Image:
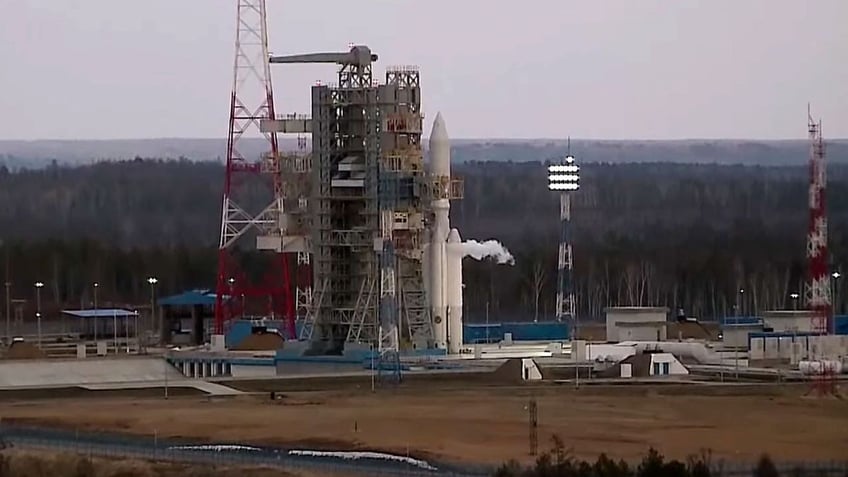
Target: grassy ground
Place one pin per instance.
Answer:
(38, 464)
(484, 424)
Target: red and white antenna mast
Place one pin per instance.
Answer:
(252, 100)
(817, 290)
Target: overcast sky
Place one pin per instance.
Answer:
(602, 69)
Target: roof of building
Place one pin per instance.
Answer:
(740, 320)
(101, 313)
(196, 297)
(772, 314)
(641, 324)
(636, 309)
(693, 330)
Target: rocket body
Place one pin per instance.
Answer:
(454, 287)
(438, 295)
(441, 256)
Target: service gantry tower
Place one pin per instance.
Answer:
(368, 205)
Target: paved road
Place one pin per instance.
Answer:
(117, 445)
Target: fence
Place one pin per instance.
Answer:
(98, 444)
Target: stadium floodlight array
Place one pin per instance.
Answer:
(564, 177)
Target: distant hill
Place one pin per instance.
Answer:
(16, 154)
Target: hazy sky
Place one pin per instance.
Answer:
(626, 69)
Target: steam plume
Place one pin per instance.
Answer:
(488, 249)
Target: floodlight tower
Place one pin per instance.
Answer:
(817, 291)
(565, 179)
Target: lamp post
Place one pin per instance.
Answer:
(96, 286)
(153, 281)
(794, 297)
(38, 287)
(834, 292)
(231, 281)
(741, 302)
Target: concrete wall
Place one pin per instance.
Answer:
(641, 332)
(530, 372)
(84, 371)
(611, 352)
(251, 371)
(636, 317)
(674, 366)
(315, 368)
(736, 336)
(800, 321)
(791, 347)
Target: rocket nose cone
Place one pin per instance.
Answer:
(440, 130)
(453, 236)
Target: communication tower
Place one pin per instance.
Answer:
(817, 289)
(251, 101)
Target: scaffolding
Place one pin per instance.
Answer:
(367, 209)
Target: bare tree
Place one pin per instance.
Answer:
(539, 276)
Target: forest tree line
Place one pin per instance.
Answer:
(683, 236)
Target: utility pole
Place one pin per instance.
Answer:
(8, 312)
(533, 423)
(8, 301)
(487, 322)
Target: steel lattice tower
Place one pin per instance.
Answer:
(564, 178)
(250, 102)
(817, 289)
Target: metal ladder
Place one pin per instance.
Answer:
(361, 313)
(311, 314)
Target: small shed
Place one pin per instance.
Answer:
(636, 323)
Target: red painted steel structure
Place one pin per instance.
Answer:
(818, 280)
(251, 100)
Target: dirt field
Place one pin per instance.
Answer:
(485, 424)
(37, 464)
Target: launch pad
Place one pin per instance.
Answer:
(371, 214)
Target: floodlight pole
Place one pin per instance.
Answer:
(96, 286)
(564, 178)
(153, 281)
(38, 286)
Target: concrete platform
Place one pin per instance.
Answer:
(205, 386)
(76, 372)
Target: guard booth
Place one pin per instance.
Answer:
(187, 318)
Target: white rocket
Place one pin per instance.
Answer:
(443, 254)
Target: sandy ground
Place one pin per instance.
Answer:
(485, 424)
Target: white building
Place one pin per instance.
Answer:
(636, 323)
(799, 321)
(735, 335)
